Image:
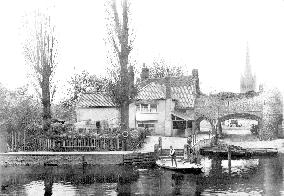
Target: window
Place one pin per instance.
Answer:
(153, 108)
(138, 108)
(146, 124)
(146, 108)
(179, 124)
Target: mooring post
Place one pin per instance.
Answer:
(229, 159)
(160, 147)
(156, 151)
(160, 143)
(186, 152)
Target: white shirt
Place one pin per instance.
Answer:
(172, 152)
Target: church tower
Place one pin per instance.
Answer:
(248, 81)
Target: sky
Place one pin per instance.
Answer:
(209, 35)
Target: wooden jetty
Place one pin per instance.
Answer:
(236, 151)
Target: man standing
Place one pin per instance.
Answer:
(189, 140)
(173, 155)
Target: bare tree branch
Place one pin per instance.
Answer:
(40, 53)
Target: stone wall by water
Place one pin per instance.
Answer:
(60, 159)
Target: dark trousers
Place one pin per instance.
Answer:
(173, 157)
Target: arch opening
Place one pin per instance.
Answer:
(240, 127)
(204, 125)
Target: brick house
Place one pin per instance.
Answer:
(166, 105)
(96, 109)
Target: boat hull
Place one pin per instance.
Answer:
(181, 167)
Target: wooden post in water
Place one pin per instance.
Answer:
(156, 150)
(229, 159)
(186, 152)
(160, 143)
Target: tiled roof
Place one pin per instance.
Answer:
(151, 91)
(175, 81)
(183, 92)
(184, 95)
(97, 99)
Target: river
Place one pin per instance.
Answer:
(258, 176)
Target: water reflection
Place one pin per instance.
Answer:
(247, 177)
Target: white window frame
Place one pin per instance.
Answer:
(139, 108)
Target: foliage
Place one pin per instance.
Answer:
(160, 68)
(85, 82)
(230, 95)
(40, 51)
(79, 83)
(64, 110)
(135, 138)
(20, 113)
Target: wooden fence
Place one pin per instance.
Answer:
(77, 144)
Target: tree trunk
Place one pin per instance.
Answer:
(124, 115)
(46, 104)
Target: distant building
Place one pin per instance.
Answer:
(165, 105)
(97, 110)
(248, 80)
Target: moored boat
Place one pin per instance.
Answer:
(182, 166)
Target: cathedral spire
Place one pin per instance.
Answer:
(247, 79)
(248, 72)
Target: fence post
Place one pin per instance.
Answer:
(117, 143)
(124, 144)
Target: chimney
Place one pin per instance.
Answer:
(144, 73)
(196, 78)
(168, 84)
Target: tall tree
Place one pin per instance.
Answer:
(41, 52)
(121, 85)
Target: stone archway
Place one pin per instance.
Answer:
(200, 119)
(246, 116)
(264, 106)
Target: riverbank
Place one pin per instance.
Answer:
(277, 144)
(242, 139)
(75, 158)
(251, 141)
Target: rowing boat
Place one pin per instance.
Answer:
(182, 166)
